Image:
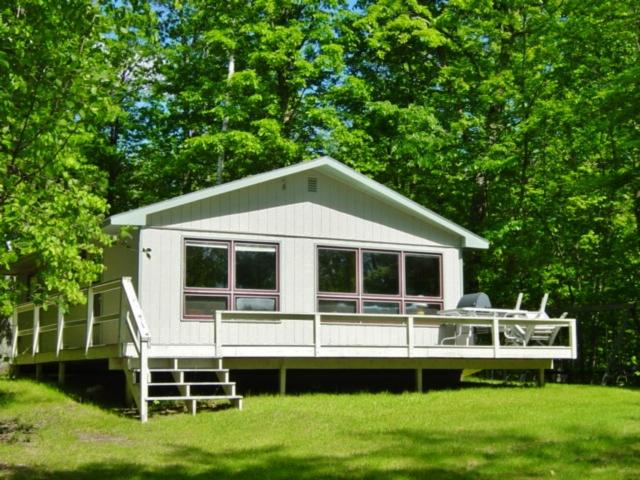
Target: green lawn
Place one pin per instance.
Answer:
(560, 431)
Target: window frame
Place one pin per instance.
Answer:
(230, 292)
(438, 256)
(201, 243)
(400, 272)
(341, 295)
(360, 297)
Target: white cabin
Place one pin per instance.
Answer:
(308, 266)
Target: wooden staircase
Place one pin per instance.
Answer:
(181, 379)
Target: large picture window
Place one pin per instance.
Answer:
(378, 281)
(255, 266)
(229, 276)
(422, 275)
(337, 270)
(207, 265)
(380, 273)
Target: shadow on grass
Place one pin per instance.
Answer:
(107, 393)
(397, 454)
(7, 398)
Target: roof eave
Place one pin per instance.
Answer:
(134, 218)
(477, 243)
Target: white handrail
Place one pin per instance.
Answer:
(141, 339)
(139, 328)
(132, 317)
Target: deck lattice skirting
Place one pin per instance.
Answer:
(112, 325)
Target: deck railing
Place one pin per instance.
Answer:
(111, 316)
(242, 333)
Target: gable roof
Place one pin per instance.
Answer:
(325, 165)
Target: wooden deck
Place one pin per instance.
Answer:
(112, 326)
(288, 335)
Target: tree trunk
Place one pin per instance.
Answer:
(225, 122)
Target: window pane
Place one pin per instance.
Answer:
(256, 304)
(339, 306)
(207, 266)
(201, 305)
(419, 308)
(381, 307)
(380, 273)
(255, 267)
(336, 270)
(422, 273)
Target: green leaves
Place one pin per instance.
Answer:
(285, 57)
(51, 204)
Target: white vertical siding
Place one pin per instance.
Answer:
(121, 260)
(161, 283)
(451, 278)
(336, 210)
(281, 211)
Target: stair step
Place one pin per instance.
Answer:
(193, 384)
(210, 370)
(198, 397)
(185, 358)
(182, 363)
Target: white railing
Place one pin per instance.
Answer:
(139, 332)
(242, 333)
(111, 316)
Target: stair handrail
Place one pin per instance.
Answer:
(141, 340)
(138, 328)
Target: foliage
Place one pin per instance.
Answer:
(488, 113)
(51, 206)
(259, 113)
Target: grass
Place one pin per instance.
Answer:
(581, 432)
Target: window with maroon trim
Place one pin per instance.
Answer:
(353, 280)
(229, 276)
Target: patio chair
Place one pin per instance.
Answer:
(544, 335)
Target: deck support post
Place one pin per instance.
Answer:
(129, 401)
(38, 372)
(61, 372)
(540, 381)
(283, 380)
(14, 371)
(419, 387)
(193, 406)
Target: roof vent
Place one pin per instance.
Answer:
(312, 184)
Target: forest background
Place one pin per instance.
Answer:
(517, 119)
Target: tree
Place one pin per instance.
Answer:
(52, 72)
(487, 112)
(264, 113)
(130, 46)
